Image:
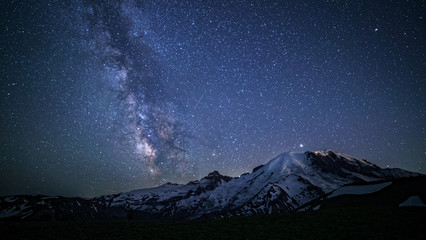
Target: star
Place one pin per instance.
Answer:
(141, 92)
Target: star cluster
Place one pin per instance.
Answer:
(99, 97)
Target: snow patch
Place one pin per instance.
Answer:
(10, 199)
(27, 214)
(361, 176)
(360, 189)
(413, 201)
(10, 212)
(303, 209)
(49, 197)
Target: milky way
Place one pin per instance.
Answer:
(136, 77)
(101, 97)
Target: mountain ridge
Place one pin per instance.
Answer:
(280, 186)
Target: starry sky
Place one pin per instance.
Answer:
(100, 97)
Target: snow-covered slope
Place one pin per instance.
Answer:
(413, 201)
(359, 189)
(282, 185)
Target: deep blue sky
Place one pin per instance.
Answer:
(100, 97)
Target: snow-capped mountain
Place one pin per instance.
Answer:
(282, 185)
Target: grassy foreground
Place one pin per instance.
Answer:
(353, 223)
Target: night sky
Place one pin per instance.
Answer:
(100, 97)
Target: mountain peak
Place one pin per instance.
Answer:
(214, 174)
(326, 152)
(336, 156)
(289, 162)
